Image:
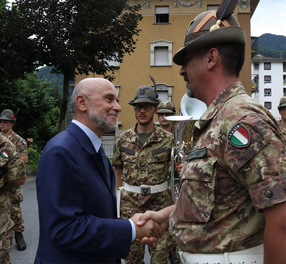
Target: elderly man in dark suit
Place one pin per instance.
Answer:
(75, 187)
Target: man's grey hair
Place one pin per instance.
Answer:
(80, 88)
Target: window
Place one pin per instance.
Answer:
(284, 79)
(164, 91)
(162, 14)
(267, 79)
(161, 56)
(163, 95)
(268, 105)
(161, 53)
(267, 66)
(256, 66)
(117, 88)
(267, 92)
(284, 91)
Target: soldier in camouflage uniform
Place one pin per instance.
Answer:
(165, 108)
(233, 196)
(282, 112)
(141, 162)
(7, 121)
(12, 173)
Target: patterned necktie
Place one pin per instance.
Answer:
(106, 166)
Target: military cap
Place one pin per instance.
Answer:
(200, 33)
(165, 107)
(8, 114)
(282, 102)
(145, 94)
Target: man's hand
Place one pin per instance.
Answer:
(150, 230)
(155, 216)
(160, 217)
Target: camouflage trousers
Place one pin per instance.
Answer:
(132, 203)
(6, 240)
(16, 212)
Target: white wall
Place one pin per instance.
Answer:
(276, 85)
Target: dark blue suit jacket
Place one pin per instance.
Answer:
(77, 209)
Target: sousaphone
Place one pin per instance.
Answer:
(191, 111)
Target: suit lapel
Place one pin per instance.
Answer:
(85, 142)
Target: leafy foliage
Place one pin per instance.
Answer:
(79, 37)
(16, 48)
(270, 45)
(38, 106)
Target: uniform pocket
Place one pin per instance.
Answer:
(196, 200)
(129, 162)
(158, 165)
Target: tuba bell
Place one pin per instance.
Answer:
(194, 108)
(191, 111)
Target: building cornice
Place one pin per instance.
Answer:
(177, 3)
(261, 58)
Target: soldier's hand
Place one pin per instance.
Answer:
(155, 216)
(179, 167)
(149, 229)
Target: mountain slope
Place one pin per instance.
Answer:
(270, 45)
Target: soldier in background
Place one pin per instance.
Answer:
(141, 163)
(12, 173)
(7, 121)
(165, 108)
(282, 112)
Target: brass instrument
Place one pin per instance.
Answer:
(191, 111)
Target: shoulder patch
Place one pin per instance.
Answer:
(239, 136)
(23, 142)
(4, 154)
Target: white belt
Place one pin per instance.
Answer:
(146, 189)
(251, 255)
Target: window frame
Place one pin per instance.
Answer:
(161, 43)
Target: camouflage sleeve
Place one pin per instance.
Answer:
(20, 143)
(117, 158)
(12, 166)
(22, 147)
(260, 165)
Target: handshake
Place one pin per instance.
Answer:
(151, 225)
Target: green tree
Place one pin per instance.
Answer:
(16, 47)
(38, 106)
(79, 37)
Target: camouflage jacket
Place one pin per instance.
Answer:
(19, 142)
(283, 130)
(143, 164)
(236, 168)
(12, 167)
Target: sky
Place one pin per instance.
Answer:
(269, 17)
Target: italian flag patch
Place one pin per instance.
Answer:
(239, 136)
(4, 154)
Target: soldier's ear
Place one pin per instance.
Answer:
(212, 57)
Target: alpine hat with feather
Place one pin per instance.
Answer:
(212, 27)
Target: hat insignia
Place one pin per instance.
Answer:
(142, 91)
